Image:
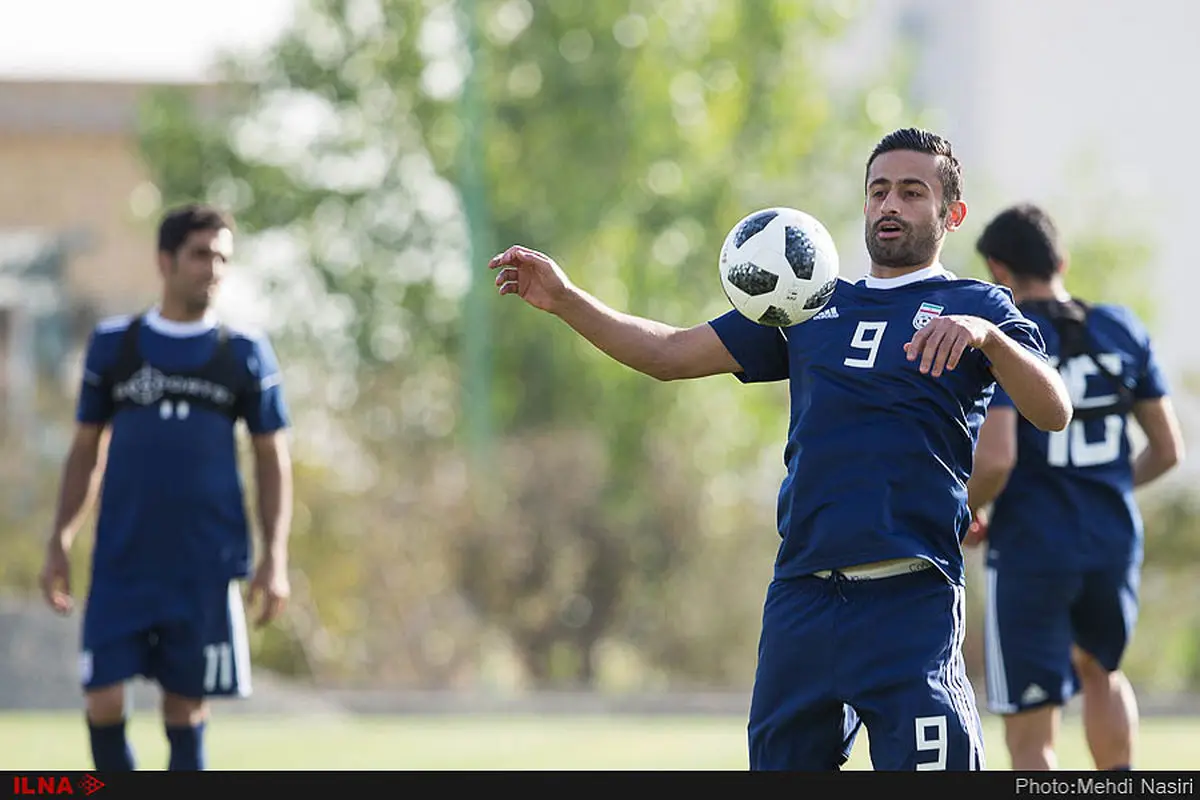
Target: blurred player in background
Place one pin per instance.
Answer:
(161, 396)
(863, 622)
(1064, 538)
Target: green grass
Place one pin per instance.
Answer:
(58, 742)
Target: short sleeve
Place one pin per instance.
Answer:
(262, 405)
(760, 351)
(95, 404)
(1151, 380)
(999, 309)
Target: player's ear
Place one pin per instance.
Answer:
(956, 213)
(165, 263)
(1064, 264)
(999, 272)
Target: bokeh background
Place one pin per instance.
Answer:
(509, 551)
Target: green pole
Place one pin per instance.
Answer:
(476, 323)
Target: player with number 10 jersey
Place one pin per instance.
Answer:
(1069, 501)
(1064, 532)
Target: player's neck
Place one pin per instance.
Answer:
(173, 313)
(879, 271)
(1041, 290)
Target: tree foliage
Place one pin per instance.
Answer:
(624, 139)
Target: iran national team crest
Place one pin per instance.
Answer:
(925, 314)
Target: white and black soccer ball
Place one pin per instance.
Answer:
(779, 266)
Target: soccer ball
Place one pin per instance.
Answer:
(779, 267)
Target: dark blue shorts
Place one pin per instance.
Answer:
(196, 649)
(1033, 618)
(886, 653)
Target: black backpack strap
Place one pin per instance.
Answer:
(226, 361)
(1070, 320)
(129, 356)
(129, 337)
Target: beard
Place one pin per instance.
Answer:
(198, 303)
(916, 246)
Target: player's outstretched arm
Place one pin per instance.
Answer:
(80, 478)
(656, 349)
(1164, 441)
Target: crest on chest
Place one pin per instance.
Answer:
(926, 313)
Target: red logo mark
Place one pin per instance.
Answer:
(90, 784)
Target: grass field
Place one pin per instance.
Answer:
(58, 742)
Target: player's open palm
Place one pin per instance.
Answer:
(939, 346)
(55, 580)
(531, 275)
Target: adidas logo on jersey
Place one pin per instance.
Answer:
(829, 313)
(1033, 694)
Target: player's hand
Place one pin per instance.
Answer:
(55, 579)
(532, 276)
(978, 530)
(270, 590)
(941, 343)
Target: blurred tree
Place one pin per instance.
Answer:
(623, 138)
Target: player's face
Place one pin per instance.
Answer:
(194, 274)
(906, 219)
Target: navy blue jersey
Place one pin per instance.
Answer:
(1069, 501)
(172, 510)
(878, 455)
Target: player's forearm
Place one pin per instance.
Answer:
(80, 477)
(638, 343)
(1037, 390)
(985, 486)
(1152, 463)
(273, 476)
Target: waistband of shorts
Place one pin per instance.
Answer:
(878, 569)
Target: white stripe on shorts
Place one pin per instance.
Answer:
(239, 639)
(959, 685)
(993, 653)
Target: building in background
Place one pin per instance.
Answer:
(69, 154)
(77, 216)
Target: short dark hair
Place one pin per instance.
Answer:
(922, 141)
(1025, 240)
(179, 222)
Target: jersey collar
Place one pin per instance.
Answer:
(934, 270)
(154, 321)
